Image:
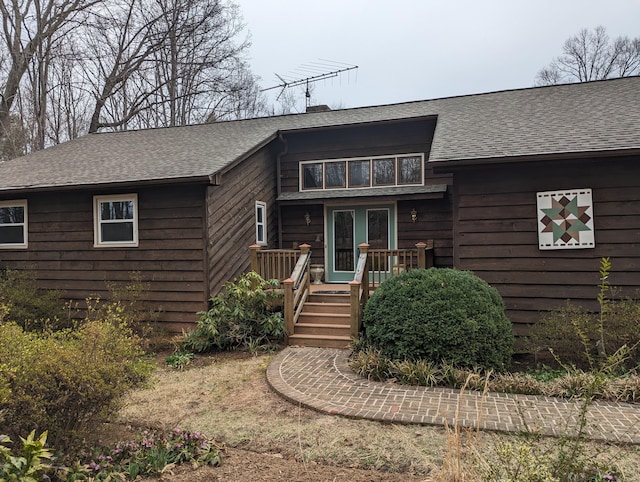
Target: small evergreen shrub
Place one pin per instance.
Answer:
(68, 380)
(243, 315)
(439, 315)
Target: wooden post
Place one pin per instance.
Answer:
(364, 248)
(254, 258)
(304, 251)
(429, 251)
(354, 301)
(288, 306)
(421, 255)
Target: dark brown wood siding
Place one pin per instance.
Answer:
(385, 138)
(496, 232)
(170, 255)
(231, 221)
(355, 141)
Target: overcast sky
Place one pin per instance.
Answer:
(418, 49)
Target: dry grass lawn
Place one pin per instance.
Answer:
(267, 438)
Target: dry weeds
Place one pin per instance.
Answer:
(230, 401)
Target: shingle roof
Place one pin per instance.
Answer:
(588, 117)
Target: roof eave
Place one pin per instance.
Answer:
(448, 164)
(112, 185)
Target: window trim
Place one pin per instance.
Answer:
(396, 160)
(261, 206)
(97, 222)
(25, 224)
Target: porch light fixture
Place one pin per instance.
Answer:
(414, 215)
(307, 218)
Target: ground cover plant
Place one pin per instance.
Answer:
(438, 315)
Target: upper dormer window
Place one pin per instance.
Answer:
(362, 172)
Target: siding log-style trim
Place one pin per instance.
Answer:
(231, 223)
(169, 255)
(496, 232)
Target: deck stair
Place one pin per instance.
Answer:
(324, 321)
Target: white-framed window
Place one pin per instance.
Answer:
(115, 220)
(261, 223)
(362, 172)
(13, 224)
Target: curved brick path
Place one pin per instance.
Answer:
(321, 379)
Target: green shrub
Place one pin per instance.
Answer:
(439, 314)
(66, 381)
(241, 316)
(32, 308)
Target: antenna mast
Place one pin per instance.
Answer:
(310, 79)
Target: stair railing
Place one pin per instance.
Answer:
(359, 290)
(296, 289)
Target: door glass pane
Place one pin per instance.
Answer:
(378, 237)
(378, 228)
(343, 240)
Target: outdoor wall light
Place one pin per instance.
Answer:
(307, 218)
(414, 215)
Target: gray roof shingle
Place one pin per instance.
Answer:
(573, 118)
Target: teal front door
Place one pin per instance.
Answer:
(347, 228)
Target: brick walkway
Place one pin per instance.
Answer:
(321, 379)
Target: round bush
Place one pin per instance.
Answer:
(439, 314)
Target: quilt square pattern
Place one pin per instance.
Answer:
(565, 219)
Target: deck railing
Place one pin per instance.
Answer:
(373, 267)
(273, 263)
(292, 268)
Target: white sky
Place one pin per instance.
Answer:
(419, 49)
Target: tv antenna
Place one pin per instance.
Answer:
(315, 72)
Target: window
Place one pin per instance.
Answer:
(312, 176)
(116, 220)
(359, 173)
(13, 224)
(384, 172)
(335, 175)
(380, 171)
(261, 223)
(410, 170)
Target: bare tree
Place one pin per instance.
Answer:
(30, 28)
(68, 67)
(590, 55)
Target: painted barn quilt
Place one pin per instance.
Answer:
(565, 219)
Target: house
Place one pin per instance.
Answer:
(528, 188)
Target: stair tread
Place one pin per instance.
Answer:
(322, 337)
(324, 314)
(322, 325)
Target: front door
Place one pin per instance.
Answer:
(348, 227)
